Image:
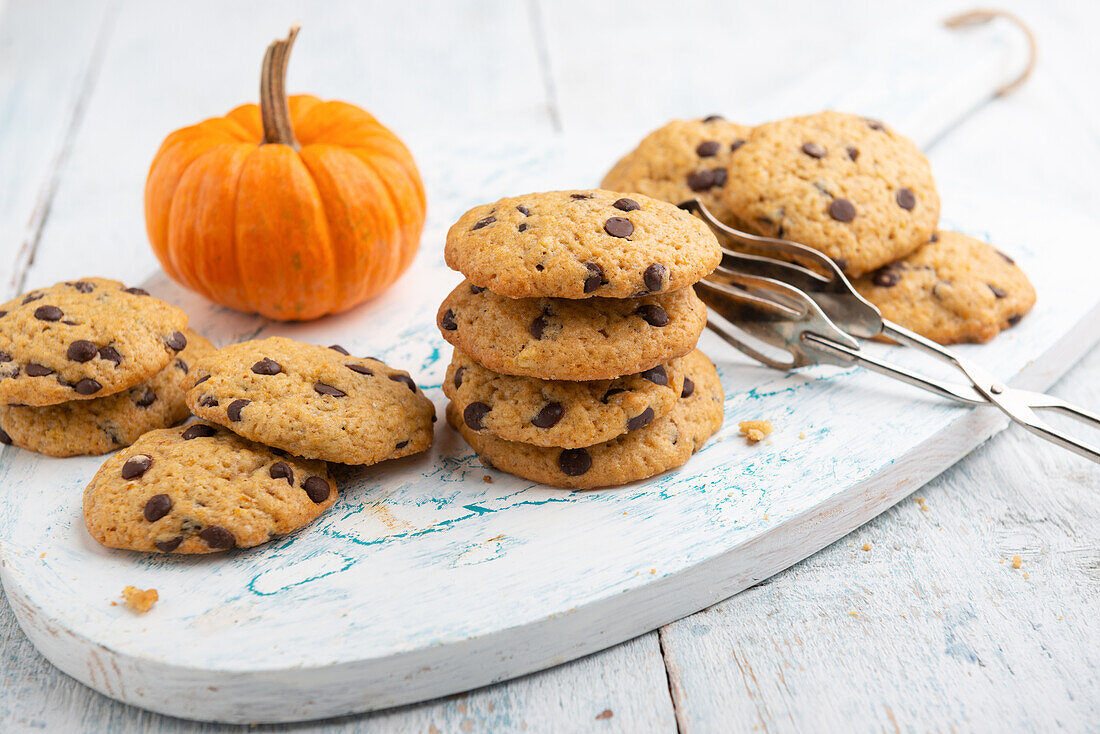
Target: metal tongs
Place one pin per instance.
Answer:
(794, 307)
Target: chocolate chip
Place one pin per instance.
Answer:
(48, 313)
(841, 263)
(405, 379)
(523, 210)
(198, 430)
(654, 277)
(33, 369)
(886, 277)
(87, 386)
(167, 546)
(447, 321)
(458, 376)
(641, 420)
(157, 507)
(853, 152)
(653, 314)
(233, 412)
(998, 292)
(474, 415)
(483, 223)
(580, 196)
(137, 291)
(201, 380)
(267, 366)
(842, 210)
(476, 289)
(208, 401)
(813, 150)
(936, 238)
(700, 181)
(549, 416)
(147, 398)
(611, 391)
(177, 341)
(522, 227)
(361, 369)
(400, 445)
(3, 314)
(110, 354)
(906, 199)
(736, 144)
(83, 286)
(4, 357)
(539, 268)
(618, 227)
(218, 538)
(874, 124)
(136, 466)
(657, 375)
(574, 462)
(689, 388)
(1015, 319)
(595, 277)
(538, 326)
(338, 348)
(282, 470)
(81, 350)
(32, 296)
(182, 366)
(326, 389)
(4, 437)
(707, 148)
(317, 489)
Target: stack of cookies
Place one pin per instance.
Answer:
(274, 412)
(574, 334)
(88, 366)
(852, 188)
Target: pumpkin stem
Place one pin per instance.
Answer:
(274, 106)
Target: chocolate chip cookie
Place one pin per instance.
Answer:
(665, 443)
(556, 413)
(685, 159)
(316, 402)
(580, 244)
(567, 339)
(84, 339)
(845, 185)
(953, 289)
(89, 427)
(201, 489)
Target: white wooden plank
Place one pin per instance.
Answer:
(48, 61)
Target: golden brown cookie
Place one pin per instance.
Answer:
(566, 339)
(953, 289)
(685, 159)
(555, 412)
(200, 489)
(664, 444)
(845, 185)
(316, 402)
(580, 244)
(84, 339)
(89, 427)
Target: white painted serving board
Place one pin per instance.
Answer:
(425, 580)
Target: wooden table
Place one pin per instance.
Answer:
(918, 621)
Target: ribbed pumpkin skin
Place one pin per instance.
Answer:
(292, 235)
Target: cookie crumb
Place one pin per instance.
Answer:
(921, 504)
(801, 434)
(605, 714)
(853, 614)
(755, 430)
(866, 546)
(139, 600)
(43, 554)
(487, 479)
(1017, 561)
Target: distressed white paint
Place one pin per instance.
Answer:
(483, 172)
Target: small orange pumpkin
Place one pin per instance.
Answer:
(294, 208)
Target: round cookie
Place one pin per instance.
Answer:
(685, 159)
(200, 489)
(316, 402)
(84, 339)
(953, 289)
(556, 413)
(664, 444)
(564, 339)
(580, 244)
(90, 427)
(842, 184)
